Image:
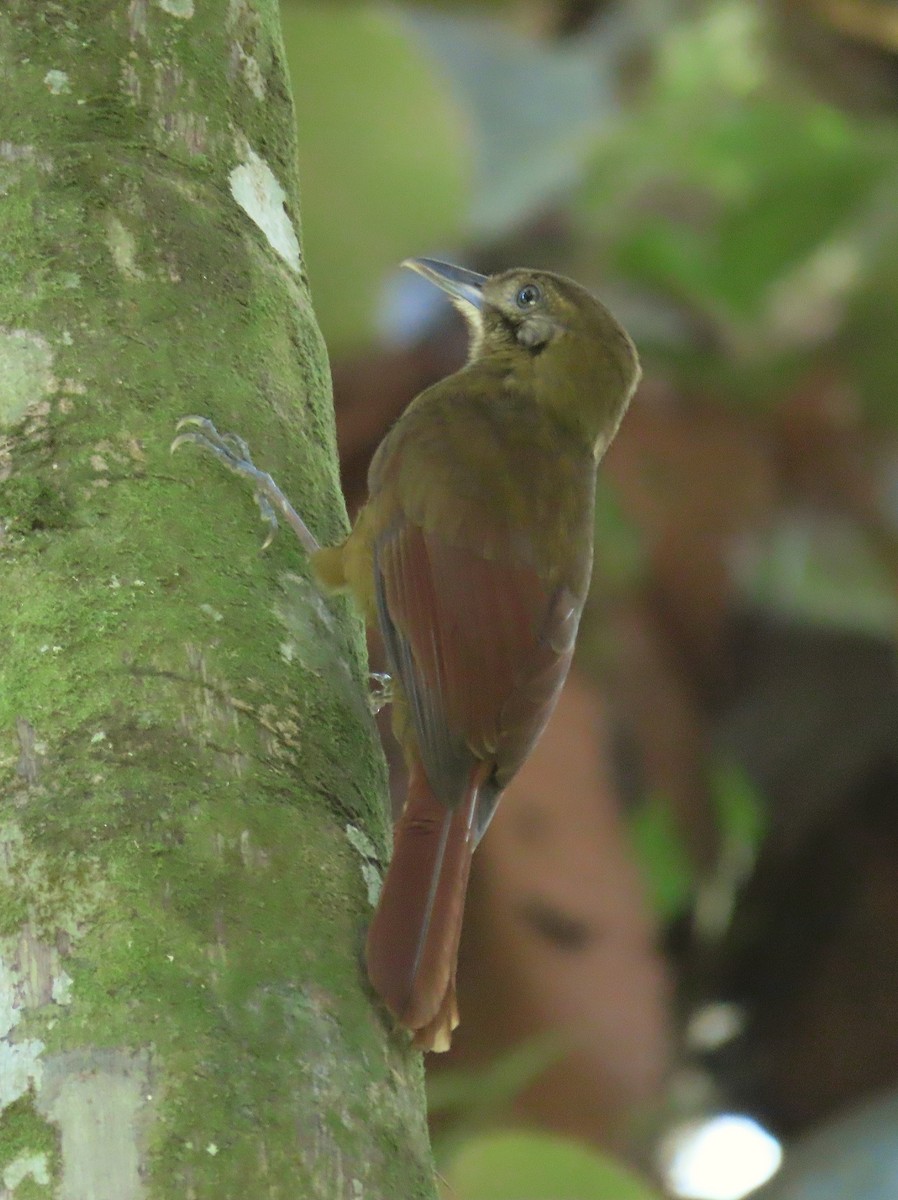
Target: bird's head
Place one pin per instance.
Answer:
(550, 331)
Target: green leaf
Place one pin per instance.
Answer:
(470, 1100)
(531, 1166)
(774, 228)
(731, 200)
(662, 856)
(748, 223)
(481, 1093)
(741, 810)
(383, 157)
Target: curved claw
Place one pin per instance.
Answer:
(232, 450)
(209, 435)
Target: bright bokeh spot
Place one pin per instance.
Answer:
(722, 1158)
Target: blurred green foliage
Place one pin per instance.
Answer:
(658, 843)
(466, 1101)
(661, 852)
(823, 571)
(532, 1166)
(383, 159)
(754, 209)
(482, 1093)
(757, 225)
(741, 811)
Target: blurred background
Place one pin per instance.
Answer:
(679, 973)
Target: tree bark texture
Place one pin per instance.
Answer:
(189, 776)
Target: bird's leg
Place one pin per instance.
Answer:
(233, 451)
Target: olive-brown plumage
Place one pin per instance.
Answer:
(473, 557)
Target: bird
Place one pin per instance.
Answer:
(472, 556)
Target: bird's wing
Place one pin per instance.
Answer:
(480, 646)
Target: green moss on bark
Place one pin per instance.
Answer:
(29, 1152)
(183, 724)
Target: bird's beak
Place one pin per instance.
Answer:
(466, 286)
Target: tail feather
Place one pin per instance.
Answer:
(412, 944)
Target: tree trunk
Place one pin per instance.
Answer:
(187, 761)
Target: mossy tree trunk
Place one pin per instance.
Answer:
(188, 769)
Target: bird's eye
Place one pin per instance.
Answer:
(528, 296)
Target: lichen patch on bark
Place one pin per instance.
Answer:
(123, 246)
(26, 373)
(97, 1098)
(21, 1066)
(256, 189)
(57, 82)
(177, 8)
(367, 852)
(34, 1166)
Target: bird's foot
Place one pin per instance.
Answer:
(233, 451)
(381, 693)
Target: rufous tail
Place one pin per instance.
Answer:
(412, 946)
